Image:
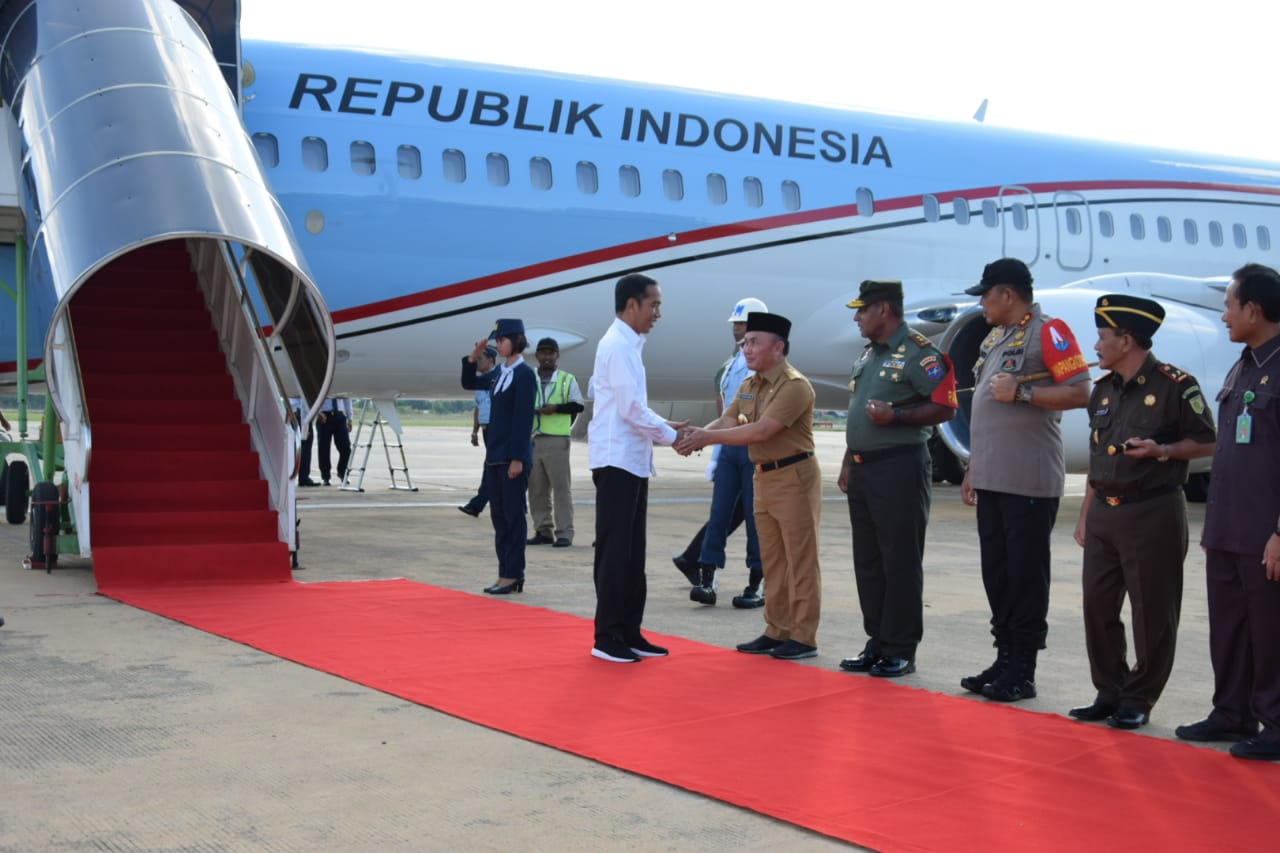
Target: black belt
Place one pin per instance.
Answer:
(861, 458)
(1137, 497)
(783, 463)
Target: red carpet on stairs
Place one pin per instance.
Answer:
(175, 489)
(881, 765)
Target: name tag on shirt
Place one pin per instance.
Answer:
(1244, 428)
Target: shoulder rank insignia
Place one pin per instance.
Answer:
(1173, 373)
(919, 339)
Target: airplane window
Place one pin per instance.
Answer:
(717, 189)
(497, 169)
(409, 162)
(1106, 224)
(315, 154)
(753, 191)
(1264, 238)
(790, 195)
(268, 149)
(672, 184)
(1164, 229)
(588, 177)
(1215, 233)
(362, 159)
(960, 207)
(540, 173)
(453, 164)
(629, 181)
(1239, 235)
(1137, 226)
(932, 210)
(1072, 217)
(1020, 220)
(866, 202)
(1190, 232)
(990, 214)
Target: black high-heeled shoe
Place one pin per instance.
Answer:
(505, 589)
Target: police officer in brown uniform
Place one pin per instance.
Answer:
(773, 414)
(1146, 420)
(902, 385)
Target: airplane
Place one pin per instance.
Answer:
(384, 209)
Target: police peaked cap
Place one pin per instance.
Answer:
(759, 321)
(1009, 271)
(506, 329)
(877, 291)
(1122, 311)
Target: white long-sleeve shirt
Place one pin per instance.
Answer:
(623, 428)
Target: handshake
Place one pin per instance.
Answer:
(690, 438)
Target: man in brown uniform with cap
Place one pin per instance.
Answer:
(1146, 420)
(773, 414)
(901, 387)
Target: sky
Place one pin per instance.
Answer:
(1192, 76)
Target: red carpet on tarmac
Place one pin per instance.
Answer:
(878, 764)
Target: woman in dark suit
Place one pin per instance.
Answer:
(510, 452)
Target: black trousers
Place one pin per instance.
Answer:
(1244, 642)
(308, 439)
(622, 508)
(888, 512)
(1014, 532)
(481, 498)
(506, 511)
(333, 430)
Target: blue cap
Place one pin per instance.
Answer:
(490, 352)
(506, 329)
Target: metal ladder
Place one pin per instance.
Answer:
(371, 415)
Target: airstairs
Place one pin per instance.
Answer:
(148, 219)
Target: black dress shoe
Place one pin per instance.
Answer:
(1128, 718)
(761, 645)
(862, 663)
(1094, 713)
(792, 650)
(507, 588)
(887, 666)
(307, 482)
(750, 598)
(562, 542)
(469, 510)
(1257, 749)
(1208, 731)
(539, 539)
(688, 568)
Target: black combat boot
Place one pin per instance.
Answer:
(1017, 682)
(751, 596)
(705, 591)
(975, 683)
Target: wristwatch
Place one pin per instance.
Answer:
(1023, 394)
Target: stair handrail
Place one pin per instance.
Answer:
(264, 353)
(82, 410)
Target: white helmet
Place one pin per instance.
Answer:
(745, 307)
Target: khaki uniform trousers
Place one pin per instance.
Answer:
(550, 479)
(788, 508)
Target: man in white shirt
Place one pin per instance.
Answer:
(620, 443)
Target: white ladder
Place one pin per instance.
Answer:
(371, 414)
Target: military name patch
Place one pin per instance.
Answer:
(895, 364)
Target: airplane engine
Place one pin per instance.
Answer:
(1192, 337)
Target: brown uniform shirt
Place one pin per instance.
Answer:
(785, 395)
(1161, 403)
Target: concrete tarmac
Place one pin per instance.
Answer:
(126, 731)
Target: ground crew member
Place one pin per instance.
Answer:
(558, 402)
(772, 412)
(1146, 420)
(901, 387)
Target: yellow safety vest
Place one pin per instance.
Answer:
(557, 424)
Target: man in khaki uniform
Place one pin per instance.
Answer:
(773, 414)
